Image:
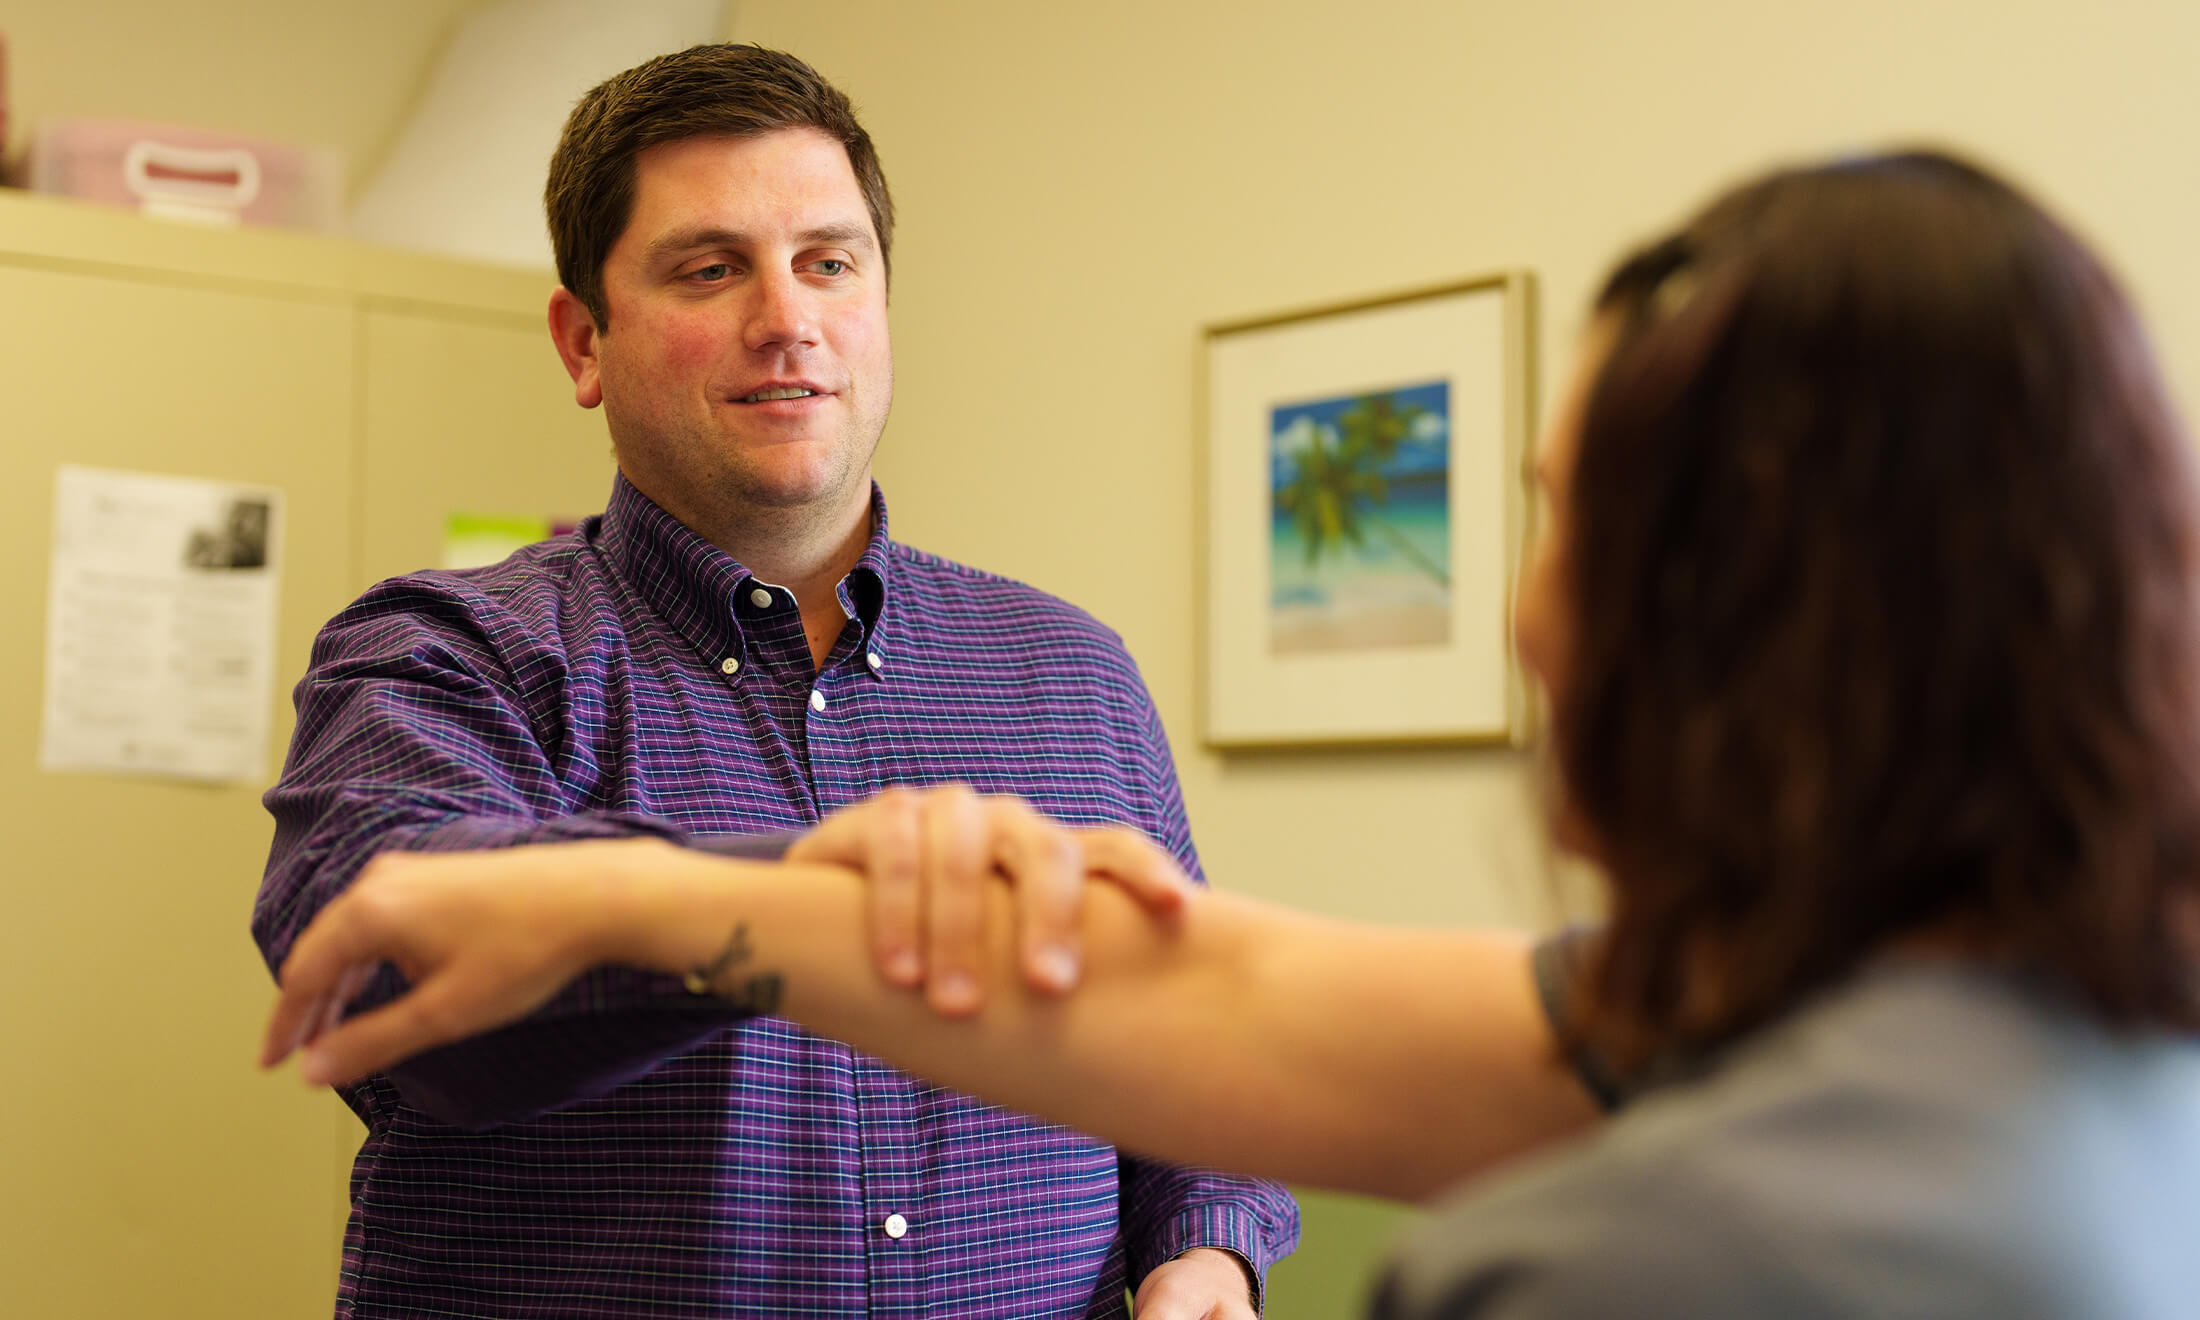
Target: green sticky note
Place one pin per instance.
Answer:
(473, 539)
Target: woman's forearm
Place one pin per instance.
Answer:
(1237, 1035)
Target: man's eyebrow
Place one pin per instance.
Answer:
(690, 240)
(687, 240)
(844, 235)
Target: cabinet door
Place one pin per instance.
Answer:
(149, 1168)
(467, 414)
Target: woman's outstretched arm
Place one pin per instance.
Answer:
(1230, 1033)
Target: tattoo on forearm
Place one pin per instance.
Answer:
(735, 953)
(758, 994)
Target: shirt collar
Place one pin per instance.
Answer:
(694, 586)
(863, 592)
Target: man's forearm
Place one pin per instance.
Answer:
(545, 1062)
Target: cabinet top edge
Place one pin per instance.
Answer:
(40, 230)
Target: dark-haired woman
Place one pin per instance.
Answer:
(1868, 620)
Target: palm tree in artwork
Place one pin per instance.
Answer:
(1339, 488)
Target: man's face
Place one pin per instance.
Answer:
(746, 366)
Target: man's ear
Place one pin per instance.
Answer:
(573, 330)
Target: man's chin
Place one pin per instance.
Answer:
(797, 489)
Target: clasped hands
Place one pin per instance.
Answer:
(484, 938)
(928, 855)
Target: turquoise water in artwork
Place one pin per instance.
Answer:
(1377, 469)
(1420, 515)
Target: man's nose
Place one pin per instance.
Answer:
(780, 313)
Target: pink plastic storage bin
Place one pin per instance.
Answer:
(188, 173)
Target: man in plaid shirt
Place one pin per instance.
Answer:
(735, 648)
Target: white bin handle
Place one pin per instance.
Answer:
(189, 183)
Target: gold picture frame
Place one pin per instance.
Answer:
(1367, 499)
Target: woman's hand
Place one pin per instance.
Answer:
(483, 938)
(928, 855)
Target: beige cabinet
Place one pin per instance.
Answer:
(149, 1168)
(467, 414)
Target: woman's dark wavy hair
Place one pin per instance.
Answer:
(1883, 571)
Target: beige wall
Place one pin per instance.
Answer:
(1083, 187)
(334, 75)
(149, 1168)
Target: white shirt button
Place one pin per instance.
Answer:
(760, 598)
(729, 665)
(871, 658)
(817, 699)
(896, 1226)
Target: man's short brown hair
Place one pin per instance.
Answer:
(735, 90)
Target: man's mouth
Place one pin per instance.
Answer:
(767, 396)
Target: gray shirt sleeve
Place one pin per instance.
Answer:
(1557, 963)
(1927, 1138)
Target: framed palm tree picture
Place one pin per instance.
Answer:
(1367, 502)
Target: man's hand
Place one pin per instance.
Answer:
(928, 855)
(1205, 1283)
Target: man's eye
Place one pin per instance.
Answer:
(713, 272)
(832, 266)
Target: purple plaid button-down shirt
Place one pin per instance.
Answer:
(632, 1150)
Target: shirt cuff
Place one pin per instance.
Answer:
(750, 847)
(1223, 1227)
